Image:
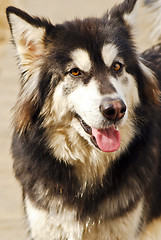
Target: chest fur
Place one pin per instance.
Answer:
(62, 223)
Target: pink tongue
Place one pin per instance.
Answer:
(108, 140)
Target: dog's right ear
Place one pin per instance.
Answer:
(29, 38)
(27, 35)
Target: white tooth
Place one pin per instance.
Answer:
(116, 127)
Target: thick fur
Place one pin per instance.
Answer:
(71, 189)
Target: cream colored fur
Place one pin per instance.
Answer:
(61, 223)
(67, 138)
(69, 142)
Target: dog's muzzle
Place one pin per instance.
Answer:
(107, 139)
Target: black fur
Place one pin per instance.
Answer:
(137, 172)
(131, 175)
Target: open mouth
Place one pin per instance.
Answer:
(107, 140)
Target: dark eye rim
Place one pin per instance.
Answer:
(75, 69)
(120, 69)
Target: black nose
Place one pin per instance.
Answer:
(113, 109)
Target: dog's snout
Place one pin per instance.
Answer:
(113, 109)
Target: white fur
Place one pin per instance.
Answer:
(152, 231)
(60, 222)
(57, 223)
(81, 59)
(68, 139)
(66, 136)
(123, 90)
(70, 143)
(85, 100)
(29, 45)
(27, 37)
(148, 72)
(109, 53)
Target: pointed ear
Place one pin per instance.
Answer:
(123, 10)
(27, 35)
(29, 38)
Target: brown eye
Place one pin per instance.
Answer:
(75, 72)
(117, 66)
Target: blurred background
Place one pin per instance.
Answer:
(12, 223)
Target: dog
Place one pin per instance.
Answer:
(86, 142)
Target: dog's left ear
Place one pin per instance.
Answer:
(122, 11)
(125, 7)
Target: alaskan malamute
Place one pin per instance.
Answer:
(87, 128)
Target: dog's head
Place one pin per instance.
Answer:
(85, 75)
